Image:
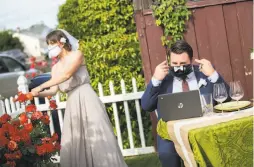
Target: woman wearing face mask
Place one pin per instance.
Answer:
(87, 138)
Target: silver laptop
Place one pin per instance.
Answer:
(183, 105)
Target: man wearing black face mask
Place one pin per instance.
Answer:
(182, 76)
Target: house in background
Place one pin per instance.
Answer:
(33, 39)
(31, 44)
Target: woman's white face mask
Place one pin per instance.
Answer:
(54, 51)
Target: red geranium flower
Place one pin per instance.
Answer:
(52, 104)
(28, 127)
(27, 76)
(32, 59)
(15, 138)
(23, 118)
(57, 146)
(11, 163)
(21, 98)
(29, 96)
(25, 137)
(38, 63)
(45, 140)
(45, 148)
(5, 127)
(44, 63)
(49, 147)
(36, 115)
(45, 119)
(33, 74)
(12, 145)
(16, 123)
(8, 156)
(31, 108)
(32, 66)
(3, 141)
(41, 150)
(18, 154)
(5, 118)
(13, 131)
(13, 156)
(2, 132)
(54, 137)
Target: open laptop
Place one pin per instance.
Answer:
(183, 105)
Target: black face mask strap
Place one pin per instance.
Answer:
(189, 69)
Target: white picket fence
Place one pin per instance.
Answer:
(8, 106)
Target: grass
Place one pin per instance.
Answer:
(148, 160)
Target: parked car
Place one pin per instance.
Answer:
(10, 70)
(16, 54)
(38, 80)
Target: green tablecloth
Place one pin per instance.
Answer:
(228, 144)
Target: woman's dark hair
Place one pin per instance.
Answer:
(55, 36)
(180, 47)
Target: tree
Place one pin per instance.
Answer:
(9, 42)
(108, 39)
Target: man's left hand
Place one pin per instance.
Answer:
(205, 67)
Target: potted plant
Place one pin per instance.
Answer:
(25, 140)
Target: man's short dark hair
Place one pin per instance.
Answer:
(180, 47)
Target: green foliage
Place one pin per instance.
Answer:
(162, 130)
(172, 16)
(63, 96)
(9, 42)
(147, 160)
(108, 39)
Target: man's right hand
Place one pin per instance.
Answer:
(161, 71)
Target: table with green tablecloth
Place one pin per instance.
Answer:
(214, 141)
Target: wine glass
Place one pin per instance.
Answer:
(236, 91)
(220, 93)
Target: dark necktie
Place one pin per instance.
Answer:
(185, 86)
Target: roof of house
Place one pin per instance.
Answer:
(38, 30)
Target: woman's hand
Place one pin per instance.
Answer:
(34, 94)
(36, 91)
